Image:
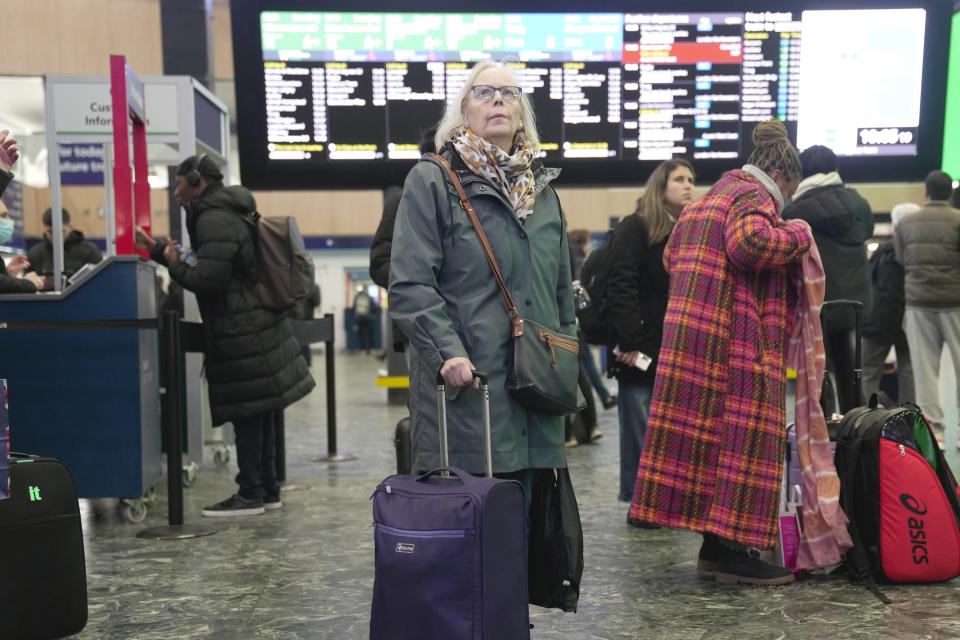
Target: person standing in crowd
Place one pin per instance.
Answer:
(637, 292)
(15, 277)
(579, 241)
(442, 292)
(77, 251)
(842, 222)
(382, 246)
(713, 458)
(884, 327)
(927, 244)
(364, 309)
(251, 358)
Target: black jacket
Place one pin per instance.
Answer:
(253, 363)
(637, 292)
(886, 321)
(383, 239)
(76, 253)
(842, 222)
(9, 284)
(5, 179)
(381, 250)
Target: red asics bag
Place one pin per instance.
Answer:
(900, 496)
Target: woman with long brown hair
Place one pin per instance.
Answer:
(637, 298)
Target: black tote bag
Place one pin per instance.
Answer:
(555, 554)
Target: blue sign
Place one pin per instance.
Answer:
(81, 164)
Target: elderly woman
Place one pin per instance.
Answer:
(444, 296)
(713, 456)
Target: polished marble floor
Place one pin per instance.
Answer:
(306, 571)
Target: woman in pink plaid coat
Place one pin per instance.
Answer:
(713, 456)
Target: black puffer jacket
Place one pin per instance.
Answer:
(886, 321)
(76, 252)
(842, 222)
(253, 363)
(637, 292)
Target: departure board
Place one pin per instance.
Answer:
(342, 88)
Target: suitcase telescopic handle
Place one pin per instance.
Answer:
(857, 308)
(442, 422)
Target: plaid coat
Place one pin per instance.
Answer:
(713, 457)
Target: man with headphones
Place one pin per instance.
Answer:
(252, 361)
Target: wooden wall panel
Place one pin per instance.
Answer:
(77, 36)
(86, 207)
(220, 31)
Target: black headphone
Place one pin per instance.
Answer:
(193, 176)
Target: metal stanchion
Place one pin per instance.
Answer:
(332, 454)
(172, 404)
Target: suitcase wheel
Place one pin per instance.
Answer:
(190, 473)
(135, 510)
(221, 456)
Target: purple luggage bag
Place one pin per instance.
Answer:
(450, 551)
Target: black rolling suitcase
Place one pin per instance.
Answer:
(43, 578)
(403, 442)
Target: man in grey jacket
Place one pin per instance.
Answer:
(927, 244)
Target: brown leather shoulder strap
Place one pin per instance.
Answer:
(484, 242)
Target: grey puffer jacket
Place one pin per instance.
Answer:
(927, 244)
(445, 299)
(252, 361)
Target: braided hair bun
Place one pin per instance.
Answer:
(773, 151)
(769, 133)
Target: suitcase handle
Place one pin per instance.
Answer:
(857, 308)
(447, 472)
(442, 423)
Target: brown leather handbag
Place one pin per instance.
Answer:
(544, 364)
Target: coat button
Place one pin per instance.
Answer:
(482, 188)
(528, 302)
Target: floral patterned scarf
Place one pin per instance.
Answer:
(511, 173)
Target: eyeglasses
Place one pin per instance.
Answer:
(484, 92)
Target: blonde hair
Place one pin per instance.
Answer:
(651, 204)
(456, 115)
(773, 151)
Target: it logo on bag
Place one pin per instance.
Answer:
(405, 547)
(34, 494)
(917, 535)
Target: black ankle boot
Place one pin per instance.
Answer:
(740, 564)
(709, 555)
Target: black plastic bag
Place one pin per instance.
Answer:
(556, 542)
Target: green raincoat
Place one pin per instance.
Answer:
(445, 299)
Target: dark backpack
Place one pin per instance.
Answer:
(594, 318)
(899, 496)
(285, 275)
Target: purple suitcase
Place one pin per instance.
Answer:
(450, 552)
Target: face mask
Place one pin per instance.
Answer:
(6, 230)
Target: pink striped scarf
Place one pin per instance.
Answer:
(825, 538)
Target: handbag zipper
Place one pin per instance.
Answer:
(553, 341)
